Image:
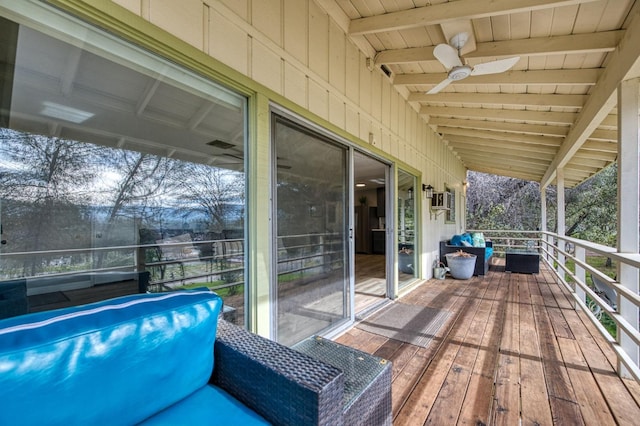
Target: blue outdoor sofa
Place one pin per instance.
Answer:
(465, 243)
(162, 359)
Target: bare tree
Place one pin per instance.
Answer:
(217, 193)
(42, 208)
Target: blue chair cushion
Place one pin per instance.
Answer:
(113, 362)
(207, 406)
(488, 252)
(462, 240)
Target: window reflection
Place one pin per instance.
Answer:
(113, 162)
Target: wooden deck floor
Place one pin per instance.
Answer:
(514, 351)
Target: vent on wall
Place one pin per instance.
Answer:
(220, 144)
(386, 70)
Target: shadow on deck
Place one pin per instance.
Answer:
(512, 351)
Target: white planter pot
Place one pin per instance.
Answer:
(461, 267)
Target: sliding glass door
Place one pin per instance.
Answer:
(311, 282)
(407, 260)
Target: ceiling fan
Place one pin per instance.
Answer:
(448, 55)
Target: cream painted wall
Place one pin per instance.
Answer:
(294, 48)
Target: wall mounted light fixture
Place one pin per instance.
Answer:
(428, 190)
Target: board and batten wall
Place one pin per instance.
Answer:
(295, 49)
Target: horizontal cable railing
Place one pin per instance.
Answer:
(309, 253)
(170, 264)
(566, 257)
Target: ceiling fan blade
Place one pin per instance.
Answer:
(444, 83)
(447, 55)
(495, 67)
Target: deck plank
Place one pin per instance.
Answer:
(448, 405)
(564, 407)
(506, 410)
(422, 397)
(616, 392)
(592, 405)
(478, 402)
(514, 351)
(535, 400)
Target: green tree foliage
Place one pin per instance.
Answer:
(496, 202)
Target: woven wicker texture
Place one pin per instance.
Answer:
(284, 386)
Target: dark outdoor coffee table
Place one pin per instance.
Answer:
(522, 261)
(367, 393)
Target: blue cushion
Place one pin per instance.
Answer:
(459, 240)
(488, 252)
(456, 240)
(113, 362)
(207, 406)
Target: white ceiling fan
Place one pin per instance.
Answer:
(448, 55)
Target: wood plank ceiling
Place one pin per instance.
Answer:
(555, 108)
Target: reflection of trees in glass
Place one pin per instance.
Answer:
(43, 185)
(61, 194)
(218, 194)
(137, 181)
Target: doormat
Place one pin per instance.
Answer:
(47, 299)
(412, 324)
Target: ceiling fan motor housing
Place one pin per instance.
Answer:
(458, 73)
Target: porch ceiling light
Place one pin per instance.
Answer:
(361, 185)
(62, 112)
(428, 190)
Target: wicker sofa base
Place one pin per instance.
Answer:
(303, 389)
(482, 261)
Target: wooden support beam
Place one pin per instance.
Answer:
(605, 41)
(505, 136)
(511, 171)
(544, 77)
(451, 11)
(549, 117)
(628, 209)
(540, 151)
(492, 158)
(522, 99)
(501, 126)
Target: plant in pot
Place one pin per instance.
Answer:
(461, 264)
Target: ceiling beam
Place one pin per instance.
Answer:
(582, 163)
(625, 60)
(506, 136)
(465, 151)
(502, 114)
(605, 41)
(445, 12)
(512, 174)
(502, 146)
(522, 99)
(592, 145)
(501, 126)
(604, 135)
(505, 169)
(609, 157)
(544, 77)
(490, 158)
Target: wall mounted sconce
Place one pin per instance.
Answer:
(428, 190)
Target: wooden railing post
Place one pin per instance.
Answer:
(580, 274)
(628, 208)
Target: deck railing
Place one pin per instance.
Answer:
(171, 264)
(567, 259)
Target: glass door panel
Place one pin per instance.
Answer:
(406, 228)
(311, 223)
